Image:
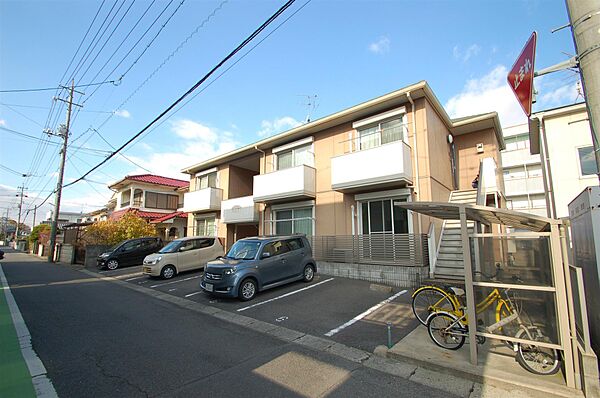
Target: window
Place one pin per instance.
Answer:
(381, 133)
(275, 248)
(125, 198)
(295, 244)
(206, 226)
(202, 243)
(294, 221)
(520, 141)
(295, 157)
(587, 161)
(187, 245)
(382, 217)
(161, 201)
(206, 181)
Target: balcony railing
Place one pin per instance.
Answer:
(202, 200)
(292, 183)
(409, 250)
(381, 165)
(239, 210)
(523, 186)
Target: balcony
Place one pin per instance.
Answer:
(518, 157)
(523, 186)
(202, 200)
(239, 210)
(288, 184)
(381, 166)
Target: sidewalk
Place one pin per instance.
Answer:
(16, 380)
(22, 373)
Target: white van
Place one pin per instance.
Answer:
(183, 254)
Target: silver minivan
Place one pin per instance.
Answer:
(183, 254)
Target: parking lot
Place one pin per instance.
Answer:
(349, 311)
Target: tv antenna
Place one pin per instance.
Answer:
(310, 104)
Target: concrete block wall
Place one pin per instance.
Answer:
(400, 276)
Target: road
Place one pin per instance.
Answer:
(99, 338)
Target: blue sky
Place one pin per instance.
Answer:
(344, 52)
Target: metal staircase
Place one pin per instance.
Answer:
(449, 259)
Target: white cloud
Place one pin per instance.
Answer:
(123, 113)
(487, 94)
(467, 54)
(381, 46)
(564, 94)
(192, 143)
(2, 122)
(271, 127)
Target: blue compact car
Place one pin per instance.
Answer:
(259, 263)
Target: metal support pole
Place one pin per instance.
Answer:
(61, 172)
(584, 18)
(19, 217)
(471, 315)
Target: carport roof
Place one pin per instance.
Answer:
(482, 214)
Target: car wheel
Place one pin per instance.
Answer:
(112, 264)
(309, 273)
(247, 290)
(168, 272)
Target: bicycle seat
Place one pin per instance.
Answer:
(457, 291)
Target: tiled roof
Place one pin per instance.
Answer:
(166, 217)
(151, 216)
(160, 180)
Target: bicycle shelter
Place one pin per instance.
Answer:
(531, 263)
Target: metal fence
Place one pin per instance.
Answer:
(408, 250)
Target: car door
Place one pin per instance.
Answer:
(272, 267)
(205, 252)
(144, 248)
(187, 255)
(128, 252)
(295, 256)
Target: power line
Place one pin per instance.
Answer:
(193, 88)
(120, 154)
(12, 171)
(46, 108)
(23, 115)
(23, 90)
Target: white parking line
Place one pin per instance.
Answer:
(177, 281)
(193, 294)
(285, 295)
(364, 314)
(137, 277)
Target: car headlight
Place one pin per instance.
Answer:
(156, 260)
(229, 271)
(104, 255)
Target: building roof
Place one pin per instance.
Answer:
(153, 179)
(167, 217)
(380, 104)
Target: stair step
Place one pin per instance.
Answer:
(451, 249)
(451, 257)
(452, 277)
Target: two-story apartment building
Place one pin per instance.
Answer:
(337, 178)
(155, 198)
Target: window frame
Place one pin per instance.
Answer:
(293, 149)
(274, 219)
(579, 165)
(379, 131)
(405, 198)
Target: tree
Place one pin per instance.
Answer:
(40, 233)
(111, 232)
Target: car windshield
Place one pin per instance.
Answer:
(243, 250)
(171, 247)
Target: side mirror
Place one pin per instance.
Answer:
(265, 255)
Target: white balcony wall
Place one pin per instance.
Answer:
(518, 157)
(380, 165)
(293, 183)
(202, 200)
(239, 210)
(523, 186)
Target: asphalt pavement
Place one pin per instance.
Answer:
(98, 338)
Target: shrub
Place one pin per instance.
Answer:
(111, 232)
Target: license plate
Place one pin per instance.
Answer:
(208, 287)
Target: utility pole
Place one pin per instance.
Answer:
(6, 226)
(584, 18)
(34, 213)
(64, 133)
(22, 187)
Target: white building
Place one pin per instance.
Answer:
(562, 136)
(523, 177)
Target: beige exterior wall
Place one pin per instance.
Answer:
(469, 158)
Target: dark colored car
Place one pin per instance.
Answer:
(129, 252)
(259, 263)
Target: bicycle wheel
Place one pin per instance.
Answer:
(445, 331)
(430, 299)
(536, 359)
